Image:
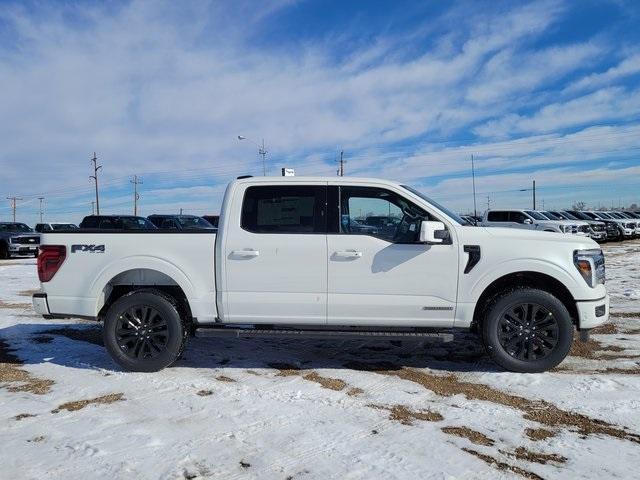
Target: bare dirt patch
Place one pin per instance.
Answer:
(406, 416)
(471, 435)
(28, 293)
(522, 453)
(355, 391)
(223, 378)
(20, 379)
(625, 314)
(538, 411)
(204, 393)
(287, 370)
(592, 349)
(537, 434)
(325, 382)
(4, 304)
(90, 335)
(37, 439)
(505, 467)
(606, 329)
(22, 416)
(80, 404)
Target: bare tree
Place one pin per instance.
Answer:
(579, 206)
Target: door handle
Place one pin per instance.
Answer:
(245, 253)
(349, 254)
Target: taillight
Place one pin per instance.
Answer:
(50, 260)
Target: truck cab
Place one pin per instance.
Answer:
(290, 256)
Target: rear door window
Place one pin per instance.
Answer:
(284, 209)
(498, 216)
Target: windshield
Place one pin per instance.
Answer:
(194, 222)
(14, 227)
(445, 210)
(552, 216)
(536, 215)
(136, 223)
(569, 216)
(602, 215)
(63, 226)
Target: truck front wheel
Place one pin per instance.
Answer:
(527, 330)
(143, 331)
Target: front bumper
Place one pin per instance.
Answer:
(18, 249)
(592, 313)
(597, 236)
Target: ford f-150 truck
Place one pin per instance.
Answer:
(286, 260)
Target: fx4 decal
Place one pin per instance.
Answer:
(87, 248)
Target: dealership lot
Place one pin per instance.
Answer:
(316, 409)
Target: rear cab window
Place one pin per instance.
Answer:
(284, 209)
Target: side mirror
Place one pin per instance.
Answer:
(527, 221)
(433, 232)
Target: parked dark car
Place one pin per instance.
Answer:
(55, 227)
(116, 222)
(180, 222)
(212, 219)
(17, 239)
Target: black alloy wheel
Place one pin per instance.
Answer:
(528, 331)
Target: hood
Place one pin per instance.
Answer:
(580, 242)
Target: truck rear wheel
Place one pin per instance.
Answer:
(527, 330)
(143, 331)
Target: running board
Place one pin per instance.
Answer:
(244, 332)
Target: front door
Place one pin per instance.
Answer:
(379, 274)
(276, 256)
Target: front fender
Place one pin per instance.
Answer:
(476, 287)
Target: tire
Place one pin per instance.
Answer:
(144, 331)
(539, 317)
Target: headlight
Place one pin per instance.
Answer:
(590, 264)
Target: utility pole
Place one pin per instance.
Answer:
(488, 202)
(136, 181)
(41, 199)
(342, 162)
(13, 206)
(534, 194)
(262, 151)
(93, 207)
(473, 178)
(96, 167)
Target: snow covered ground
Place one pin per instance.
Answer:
(309, 409)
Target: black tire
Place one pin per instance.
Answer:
(527, 330)
(144, 331)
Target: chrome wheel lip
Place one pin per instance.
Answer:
(141, 333)
(528, 331)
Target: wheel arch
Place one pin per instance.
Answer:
(131, 274)
(531, 279)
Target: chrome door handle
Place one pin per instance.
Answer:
(349, 254)
(245, 253)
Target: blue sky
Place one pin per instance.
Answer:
(409, 90)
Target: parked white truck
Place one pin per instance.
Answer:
(286, 261)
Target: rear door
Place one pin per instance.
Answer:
(275, 254)
(378, 272)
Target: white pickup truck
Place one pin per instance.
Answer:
(292, 256)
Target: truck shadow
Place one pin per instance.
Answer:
(80, 346)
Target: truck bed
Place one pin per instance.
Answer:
(98, 261)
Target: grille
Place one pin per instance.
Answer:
(27, 240)
(583, 228)
(597, 227)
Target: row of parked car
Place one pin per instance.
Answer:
(18, 239)
(598, 225)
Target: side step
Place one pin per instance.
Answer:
(244, 332)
